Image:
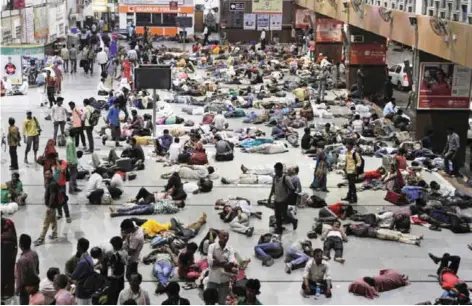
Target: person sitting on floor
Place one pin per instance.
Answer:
(224, 151)
(298, 255)
(163, 143)
(136, 123)
(95, 187)
(316, 276)
(188, 268)
(15, 189)
(269, 247)
(175, 188)
(199, 156)
(136, 154)
(386, 280)
(83, 170)
(393, 180)
(116, 185)
(307, 140)
(333, 239)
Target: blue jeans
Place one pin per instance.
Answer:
(264, 248)
(163, 271)
(297, 257)
(136, 210)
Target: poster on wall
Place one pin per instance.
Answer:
(329, 30)
(41, 24)
(263, 22)
(444, 86)
(367, 54)
(249, 21)
(7, 35)
(28, 24)
(304, 18)
(52, 23)
(267, 6)
(61, 20)
(276, 22)
(11, 67)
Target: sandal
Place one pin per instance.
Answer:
(189, 286)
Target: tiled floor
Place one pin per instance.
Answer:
(363, 256)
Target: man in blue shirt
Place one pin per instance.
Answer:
(113, 119)
(165, 140)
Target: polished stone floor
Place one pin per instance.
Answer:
(364, 257)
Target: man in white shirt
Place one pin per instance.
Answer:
(390, 108)
(206, 33)
(88, 110)
(59, 116)
(94, 189)
(357, 124)
(132, 55)
(192, 172)
(316, 273)
(221, 265)
(102, 59)
(219, 122)
(46, 286)
(263, 39)
(175, 150)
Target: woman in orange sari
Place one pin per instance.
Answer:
(126, 66)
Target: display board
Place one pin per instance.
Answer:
(267, 6)
(304, 18)
(444, 86)
(153, 77)
(263, 22)
(276, 22)
(329, 30)
(249, 21)
(367, 54)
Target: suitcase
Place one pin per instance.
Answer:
(61, 141)
(395, 198)
(124, 164)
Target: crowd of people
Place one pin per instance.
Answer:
(97, 274)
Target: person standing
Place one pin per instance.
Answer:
(77, 125)
(27, 267)
(82, 272)
(50, 84)
(73, 59)
(14, 141)
(31, 132)
(117, 263)
(59, 117)
(263, 39)
(113, 119)
(221, 257)
(88, 111)
(51, 200)
(72, 161)
(206, 34)
(282, 187)
(353, 163)
(293, 34)
(9, 251)
(450, 152)
(102, 59)
(133, 241)
(65, 57)
(91, 59)
(360, 81)
(58, 77)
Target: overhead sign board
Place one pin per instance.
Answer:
(237, 6)
(267, 6)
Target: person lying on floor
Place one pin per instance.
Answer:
(268, 248)
(333, 239)
(365, 230)
(158, 207)
(238, 219)
(316, 276)
(399, 220)
(175, 187)
(243, 203)
(456, 289)
(268, 148)
(201, 186)
(387, 280)
(444, 217)
(298, 255)
(367, 177)
(261, 170)
(164, 263)
(340, 210)
(193, 172)
(249, 179)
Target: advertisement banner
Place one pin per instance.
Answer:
(367, 54)
(263, 22)
(304, 18)
(11, 68)
(267, 6)
(41, 25)
(7, 35)
(444, 86)
(329, 30)
(61, 20)
(276, 22)
(52, 23)
(249, 21)
(149, 2)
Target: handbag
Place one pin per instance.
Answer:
(395, 198)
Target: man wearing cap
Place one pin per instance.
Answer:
(59, 116)
(31, 132)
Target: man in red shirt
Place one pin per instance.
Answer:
(367, 176)
(340, 210)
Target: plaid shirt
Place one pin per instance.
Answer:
(162, 207)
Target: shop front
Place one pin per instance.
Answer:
(161, 20)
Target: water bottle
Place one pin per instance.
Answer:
(317, 291)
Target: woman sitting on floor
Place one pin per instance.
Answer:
(198, 157)
(15, 189)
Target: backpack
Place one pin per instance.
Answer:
(94, 117)
(92, 283)
(117, 264)
(61, 141)
(360, 169)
